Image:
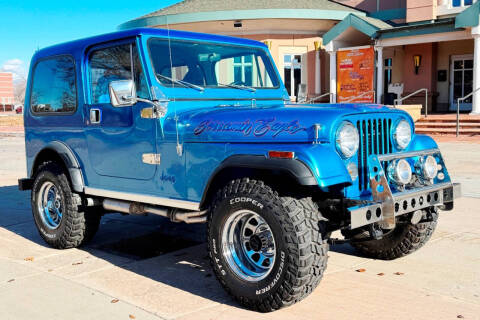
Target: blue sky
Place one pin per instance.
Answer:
(26, 25)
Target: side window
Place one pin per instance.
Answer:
(115, 63)
(54, 88)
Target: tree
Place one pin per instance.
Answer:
(19, 87)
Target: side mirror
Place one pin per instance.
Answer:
(122, 93)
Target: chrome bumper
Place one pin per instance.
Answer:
(386, 206)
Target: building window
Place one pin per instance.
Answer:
(387, 69)
(462, 84)
(292, 64)
(54, 88)
(243, 70)
(461, 3)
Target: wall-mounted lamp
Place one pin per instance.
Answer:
(317, 45)
(417, 62)
(238, 24)
(268, 44)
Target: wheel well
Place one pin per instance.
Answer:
(282, 180)
(49, 155)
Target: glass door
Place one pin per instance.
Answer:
(461, 81)
(292, 66)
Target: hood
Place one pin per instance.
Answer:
(280, 123)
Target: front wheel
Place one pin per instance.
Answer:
(264, 248)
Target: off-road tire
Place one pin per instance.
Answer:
(301, 252)
(77, 226)
(405, 239)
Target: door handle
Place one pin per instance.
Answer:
(95, 116)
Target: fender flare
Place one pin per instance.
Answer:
(69, 160)
(296, 168)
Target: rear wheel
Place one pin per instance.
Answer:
(57, 211)
(262, 246)
(405, 239)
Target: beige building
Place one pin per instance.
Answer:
(427, 44)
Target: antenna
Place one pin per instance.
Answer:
(179, 146)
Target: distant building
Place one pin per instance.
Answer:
(431, 44)
(7, 98)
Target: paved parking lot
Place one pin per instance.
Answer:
(148, 268)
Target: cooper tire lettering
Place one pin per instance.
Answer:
(277, 276)
(290, 220)
(246, 200)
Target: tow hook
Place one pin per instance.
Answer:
(375, 232)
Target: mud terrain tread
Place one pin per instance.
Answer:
(80, 227)
(316, 223)
(403, 241)
(301, 263)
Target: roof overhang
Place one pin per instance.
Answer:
(345, 29)
(441, 26)
(237, 15)
(352, 21)
(468, 17)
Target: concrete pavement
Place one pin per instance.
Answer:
(129, 261)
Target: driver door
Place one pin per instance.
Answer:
(118, 138)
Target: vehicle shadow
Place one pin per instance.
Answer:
(151, 247)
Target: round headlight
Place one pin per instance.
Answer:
(400, 172)
(402, 134)
(347, 139)
(430, 168)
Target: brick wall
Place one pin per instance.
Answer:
(6, 89)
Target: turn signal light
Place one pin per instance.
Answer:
(281, 154)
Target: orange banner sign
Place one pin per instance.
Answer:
(355, 74)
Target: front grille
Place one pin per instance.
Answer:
(375, 138)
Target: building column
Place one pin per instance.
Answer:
(380, 74)
(318, 69)
(333, 75)
(476, 70)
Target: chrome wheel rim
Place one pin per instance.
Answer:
(248, 245)
(50, 205)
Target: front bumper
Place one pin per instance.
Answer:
(386, 206)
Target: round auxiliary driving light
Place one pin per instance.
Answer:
(429, 168)
(400, 172)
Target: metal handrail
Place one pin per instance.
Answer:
(321, 96)
(458, 107)
(396, 101)
(363, 94)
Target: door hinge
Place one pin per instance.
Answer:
(151, 158)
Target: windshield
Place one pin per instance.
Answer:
(211, 65)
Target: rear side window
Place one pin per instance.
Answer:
(54, 88)
(115, 63)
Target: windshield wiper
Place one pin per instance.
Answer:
(235, 86)
(181, 82)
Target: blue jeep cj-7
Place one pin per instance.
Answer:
(198, 128)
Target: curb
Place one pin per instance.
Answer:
(11, 134)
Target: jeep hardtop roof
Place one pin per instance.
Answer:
(77, 46)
